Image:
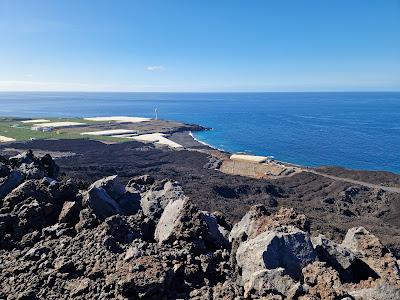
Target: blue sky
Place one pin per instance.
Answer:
(187, 45)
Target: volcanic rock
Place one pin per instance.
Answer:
(101, 202)
(69, 213)
(216, 234)
(112, 185)
(265, 283)
(158, 196)
(7, 184)
(286, 246)
(370, 250)
(323, 282)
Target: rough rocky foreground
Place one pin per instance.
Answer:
(147, 240)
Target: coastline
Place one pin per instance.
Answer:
(183, 134)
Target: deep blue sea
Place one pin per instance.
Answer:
(354, 130)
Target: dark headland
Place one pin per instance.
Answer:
(166, 227)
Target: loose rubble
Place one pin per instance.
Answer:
(147, 240)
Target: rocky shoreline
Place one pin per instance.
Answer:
(146, 239)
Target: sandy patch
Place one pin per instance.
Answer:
(250, 158)
(4, 139)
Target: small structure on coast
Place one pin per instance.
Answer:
(249, 158)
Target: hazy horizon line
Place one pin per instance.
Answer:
(202, 92)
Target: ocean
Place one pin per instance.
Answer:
(353, 130)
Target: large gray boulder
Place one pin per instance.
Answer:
(248, 225)
(7, 184)
(112, 185)
(337, 256)
(157, 198)
(371, 251)
(284, 247)
(169, 220)
(102, 205)
(181, 222)
(258, 220)
(271, 282)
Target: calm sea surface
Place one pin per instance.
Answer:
(355, 130)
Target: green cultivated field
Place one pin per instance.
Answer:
(13, 128)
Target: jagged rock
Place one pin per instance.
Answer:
(156, 199)
(34, 167)
(68, 190)
(140, 184)
(30, 216)
(57, 230)
(26, 157)
(142, 180)
(37, 253)
(172, 214)
(348, 194)
(31, 171)
(284, 216)
(227, 290)
(248, 225)
(370, 250)
(258, 220)
(213, 163)
(120, 229)
(112, 185)
(337, 256)
(181, 221)
(100, 202)
(70, 212)
(286, 246)
(87, 220)
(323, 282)
(203, 293)
(28, 189)
(216, 234)
(380, 292)
(7, 184)
(271, 282)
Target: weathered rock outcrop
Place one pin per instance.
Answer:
(286, 246)
(322, 282)
(147, 240)
(370, 250)
(155, 200)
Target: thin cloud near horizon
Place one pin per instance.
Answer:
(155, 68)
